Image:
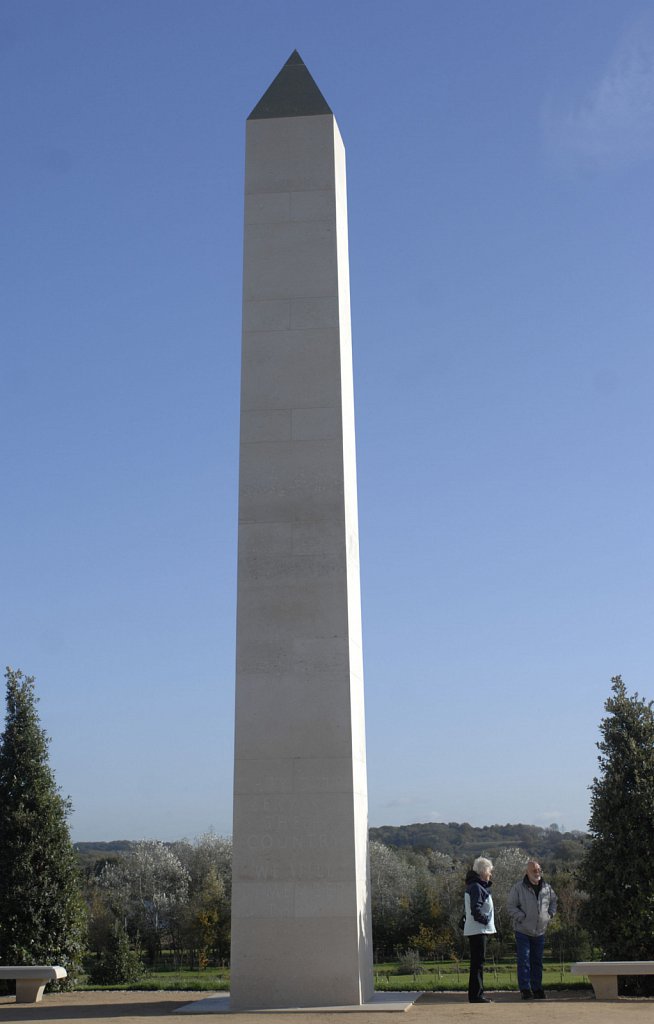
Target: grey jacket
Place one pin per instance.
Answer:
(530, 914)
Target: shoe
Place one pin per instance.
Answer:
(526, 993)
(539, 994)
(480, 999)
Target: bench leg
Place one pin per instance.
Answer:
(605, 986)
(30, 990)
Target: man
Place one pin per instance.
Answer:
(531, 904)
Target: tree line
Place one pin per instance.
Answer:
(463, 841)
(138, 901)
(171, 902)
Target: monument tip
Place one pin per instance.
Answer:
(293, 93)
(295, 58)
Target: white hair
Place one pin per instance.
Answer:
(481, 863)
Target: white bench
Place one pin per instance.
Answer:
(604, 975)
(30, 981)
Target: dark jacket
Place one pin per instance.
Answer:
(478, 903)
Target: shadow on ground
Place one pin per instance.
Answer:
(506, 997)
(12, 1011)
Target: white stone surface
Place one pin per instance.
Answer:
(300, 905)
(31, 981)
(381, 1002)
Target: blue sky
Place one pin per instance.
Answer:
(500, 168)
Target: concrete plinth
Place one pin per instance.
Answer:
(381, 1002)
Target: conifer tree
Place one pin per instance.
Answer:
(42, 913)
(617, 869)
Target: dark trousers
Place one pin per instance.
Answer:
(477, 958)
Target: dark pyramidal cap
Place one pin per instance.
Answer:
(292, 94)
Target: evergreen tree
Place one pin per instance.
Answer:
(617, 869)
(119, 964)
(42, 913)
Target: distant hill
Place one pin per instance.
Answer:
(103, 849)
(465, 842)
(462, 841)
(89, 854)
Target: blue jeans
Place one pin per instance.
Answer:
(529, 951)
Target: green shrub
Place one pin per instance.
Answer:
(119, 964)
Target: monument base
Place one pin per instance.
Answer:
(384, 1002)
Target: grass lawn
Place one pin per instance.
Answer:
(452, 976)
(213, 979)
(445, 976)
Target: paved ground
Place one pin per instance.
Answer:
(434, 1008)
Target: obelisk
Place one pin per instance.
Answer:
(301, 933)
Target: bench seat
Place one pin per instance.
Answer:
(30, 981)
(604, 974)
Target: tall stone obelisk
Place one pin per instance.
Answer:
(301, 901)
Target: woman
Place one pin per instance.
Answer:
(479, 922)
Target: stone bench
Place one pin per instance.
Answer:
(30, 981)
(603, 975)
